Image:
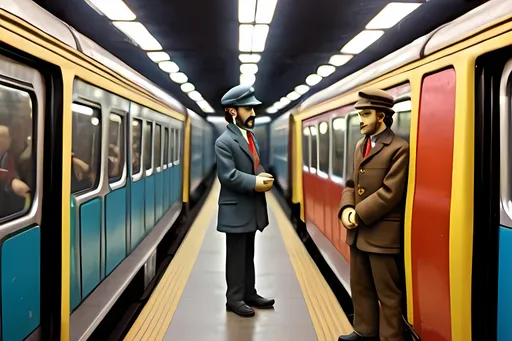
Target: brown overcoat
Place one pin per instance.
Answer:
(379, 181)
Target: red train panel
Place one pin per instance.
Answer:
(431, 207)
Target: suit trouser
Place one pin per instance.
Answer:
(240, 273)
(373, 278)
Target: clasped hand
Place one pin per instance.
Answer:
(349, 218)
(264, 182)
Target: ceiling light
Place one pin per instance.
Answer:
(137, 32)
(215, 119)
(292, 96)
(392, 14)
(259, 38)
(249, 58)
(158, 56)
(245, 38)
(265, 11)
(195, 95)
(187, 87)
(284, 101)
(325, 70)
(179, 77)
(168, 66)
(340, 59)
(272, 110)
(262, 119)
(205, 106)
(302, 89)
(361, 41)
(313, 79)
(249, 69)
(246, 10)
(247, 79)
(113, 9)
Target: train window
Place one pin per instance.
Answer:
(148, 131)
(17, 164)
(305, 148)
(173, 143)
(314, 155)
(136, 145)
(158, 146)
(85, 148)
(402, 119)
(115, 148)
(323, 141)
(177, 144)
(354, 135)
(338, 146)
(166, 146)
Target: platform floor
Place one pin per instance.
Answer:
(189, 301)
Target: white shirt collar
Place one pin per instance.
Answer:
(244, 133)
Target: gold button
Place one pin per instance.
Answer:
(362, 170)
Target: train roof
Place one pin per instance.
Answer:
(473, 22)
(35, 15)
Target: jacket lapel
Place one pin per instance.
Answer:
(384, 139)
(239, 138)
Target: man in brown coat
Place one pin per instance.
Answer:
(371, 209)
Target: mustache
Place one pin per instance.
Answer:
(249, 119)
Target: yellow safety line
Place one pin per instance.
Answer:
(328, 318)
(155, 318)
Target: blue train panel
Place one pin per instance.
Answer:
(172, 184)
(159, 195)
(21, 274)
(505, 285)
(150, 202)
(90, 241)
(115, 229)
(74, 260)
(137, 213)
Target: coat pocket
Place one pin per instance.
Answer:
(232, 214)
(386, 234)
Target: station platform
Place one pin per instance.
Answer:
(189, 301)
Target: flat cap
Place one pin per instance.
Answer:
(240, 95)
(372, 98)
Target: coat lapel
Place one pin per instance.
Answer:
(239, 138)
(384, 139)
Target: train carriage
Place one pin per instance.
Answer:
(452, 103)
(94, 171)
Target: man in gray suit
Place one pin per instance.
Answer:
(242, 202)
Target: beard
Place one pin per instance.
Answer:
(247, 124)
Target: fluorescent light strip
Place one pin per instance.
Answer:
(169, 67)
(249, 69)
(246, 11)
(361, 41)
(139, 33)
(265, 11)
(158, 56)
(262, 119)
(249, 58)
(112, 9)
(247, 79)
(391, 15)
(259, 38)
(245, 39)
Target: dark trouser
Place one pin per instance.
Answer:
(373, 278)
(240, 276)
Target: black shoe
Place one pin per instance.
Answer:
(240, 308)
(260, 302)
(356, 337)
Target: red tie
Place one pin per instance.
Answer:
(252, 148)
(368, 147)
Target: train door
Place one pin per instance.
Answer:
(22, 227)
(99, 196)
(492, 235)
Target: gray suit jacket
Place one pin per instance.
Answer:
(241, 208)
